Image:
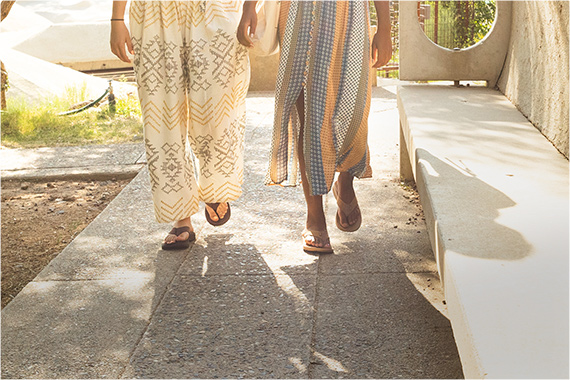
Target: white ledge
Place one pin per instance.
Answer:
(495, 195)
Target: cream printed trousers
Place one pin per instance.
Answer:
(192, 76)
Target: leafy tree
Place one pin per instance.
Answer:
(460, 23)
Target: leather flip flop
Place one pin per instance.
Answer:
(317, 235)
(181, 244)
(220, 221)
(346, 209)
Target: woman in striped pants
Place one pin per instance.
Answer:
(322, 102)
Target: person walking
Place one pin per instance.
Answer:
(322, 102)
(192, 77)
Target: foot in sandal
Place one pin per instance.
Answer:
(217, 213)
(316, 242)
(348, 216)
(180, 236)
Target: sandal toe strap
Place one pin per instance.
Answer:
(347, 208)
(177, 231)
(318, 236)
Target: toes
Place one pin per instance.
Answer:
(347, 221)
(212, 213)
(222, 209)
(317, 243)
(343, 221)
(169, 239)
(353, 218)
(313, 243)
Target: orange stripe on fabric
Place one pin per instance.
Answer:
(283, 17)
(357, 136)
(335, 71)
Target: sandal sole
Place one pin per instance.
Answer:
(179, 245)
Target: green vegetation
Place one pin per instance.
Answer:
(460, 24)
(393, 71)
(24, 125)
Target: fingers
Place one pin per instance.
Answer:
(253, 26)
(120, 38)
(247, 27)
(381, 50)
(374, 52)
(130, 46)
(381, 61)
(243, 37)
(120, 52)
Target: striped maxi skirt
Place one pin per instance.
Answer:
(325, 54)
(192, 77)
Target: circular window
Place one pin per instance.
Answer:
(456, 24)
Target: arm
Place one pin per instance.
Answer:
(382, 42)
(248, 23)
(120, 36)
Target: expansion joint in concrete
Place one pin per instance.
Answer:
(161, 298)
(312, 361)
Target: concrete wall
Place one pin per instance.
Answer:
(536, 73)
(263, 72)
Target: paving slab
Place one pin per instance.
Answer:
(123, 242)
(380, 326)
(228, 327)
(77, 329)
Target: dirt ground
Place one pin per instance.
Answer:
(40, 219)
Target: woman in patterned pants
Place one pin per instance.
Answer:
(322, 102)
(192, 76)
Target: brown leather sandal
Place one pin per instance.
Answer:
(346, 209)
(220, 221)
(180, 244)
(318, 236)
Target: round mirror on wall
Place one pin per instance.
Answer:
(456, 24)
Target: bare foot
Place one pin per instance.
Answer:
(313, 239)
(171, 238)
(345, 192)
(220, 211)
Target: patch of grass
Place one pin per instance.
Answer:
(26, 126)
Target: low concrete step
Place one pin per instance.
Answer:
(495, 196)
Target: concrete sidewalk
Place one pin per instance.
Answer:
(91, 162)
(244, 301)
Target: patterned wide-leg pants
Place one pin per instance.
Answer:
(192, 76)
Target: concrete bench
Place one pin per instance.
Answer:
(495, 196)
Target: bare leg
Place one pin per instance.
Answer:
(315, 213)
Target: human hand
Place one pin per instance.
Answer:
(381, 48)
(120, 37)
(248, 24)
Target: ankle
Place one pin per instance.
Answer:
(316, 221)
(345, 184)
(186, 222)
